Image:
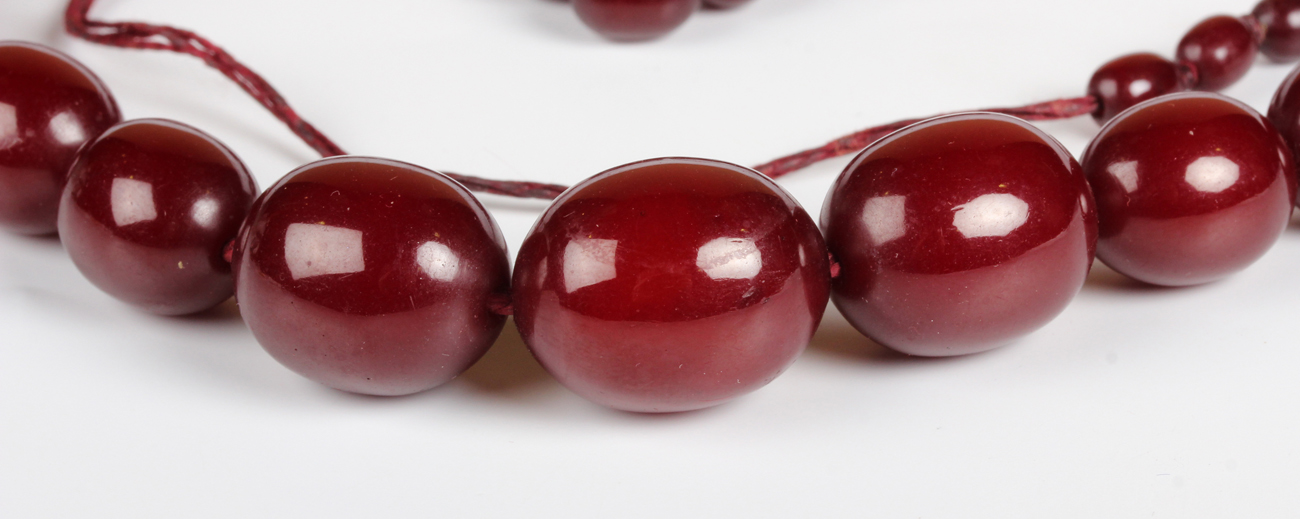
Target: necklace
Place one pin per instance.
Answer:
(813, 140)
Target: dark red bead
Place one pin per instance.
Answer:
(1220, 50)
(1284, 112)
(634, 20)
(724, 4)
(148, 211)
(49, 106)
(1132, 79)
(959, 234)
(1190, 188)
(670, 284)
(1280, 21)
(372, 276)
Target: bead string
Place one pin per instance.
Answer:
(139, 35)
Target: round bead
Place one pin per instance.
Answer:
(148, 211)
(1220, 50)
(634, 20)
(670, 284)
(1284, 113)
(50, 106)
(958, 234)
(1190, 188)
(372, 276)
(1280, 21)
(724, 4)
(1132, 79)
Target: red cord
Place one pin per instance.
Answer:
(136, 35)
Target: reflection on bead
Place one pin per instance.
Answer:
(1190, 188)
(1132, 79)
(1220, 50)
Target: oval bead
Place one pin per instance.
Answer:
(372, 276)
(50, 105)
(958, 234)
(1190, 188)
(1280, 21)
(670, 285)
(148, 211)
(1132, 79)
(1220, 50)
(634, 20)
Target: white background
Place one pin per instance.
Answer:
(1135, 402)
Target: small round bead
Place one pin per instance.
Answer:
(724, 4)
(670, 284)
(1220, 50)
(49, 106)
(148, 211)
(1190, 188)
(959, 234)
(634, 20)
(371, 276)
(1284, 113)
(1132, 79)
(1280, 21)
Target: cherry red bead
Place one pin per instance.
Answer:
(372, 276)
(959, 234)
(1132, 79)
(670, 284)
(724, 4)
(1284, 112)
(1220, 50)
(1280, 21)
(1190, 188)
(634, 20)
(148, 211)
(50, 105)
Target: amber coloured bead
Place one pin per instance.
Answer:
(670, 284)
(959, 234)
(148, 211)
(1280, 22)
(50, 105)
(634, 20)
(1220, 50)
(372, 276)
(1284, 112)
(1131, 79)
(1190, 188)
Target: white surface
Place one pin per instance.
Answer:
(1136, 402)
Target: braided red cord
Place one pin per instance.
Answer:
(138, 35)
(851, 143)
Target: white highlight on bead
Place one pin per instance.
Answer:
(885, 218)
(587, 262)
(317, 250)
(8, 126)
(438, 261)
(1126, 173)
(995, 214)
(1212, 174)
(730, 258)
(67, 129)
(132, 201)
(204, 212)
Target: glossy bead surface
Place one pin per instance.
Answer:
(634, 20)
(372, 276)
(670, 284)
(1190, 188)
(1284, 113)
(958, 234)
(1132, 79)
(1280, 20)
(724, 4)
(49, 106)
(148, 211)
(1220, 50)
